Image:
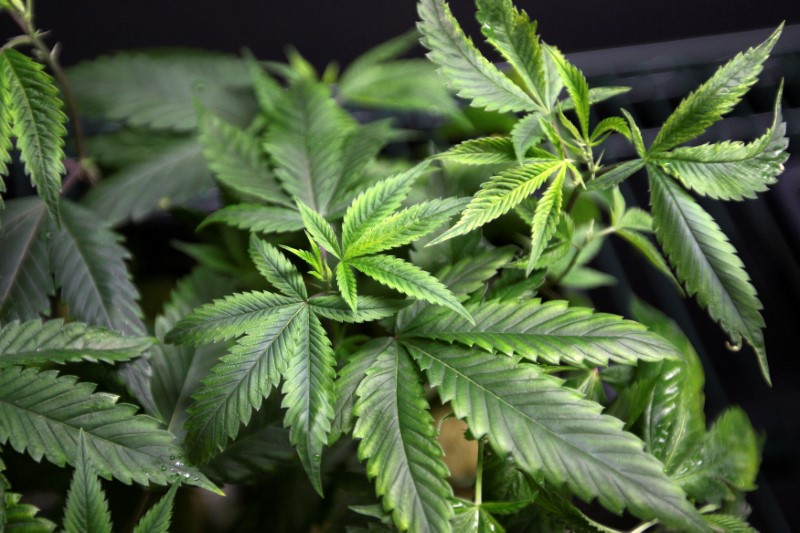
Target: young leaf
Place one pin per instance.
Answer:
(462, 65)
(274, 266)
(22, 516)
(550, 331)
(159, 517)
(551, 431)
(256, 218)
(545, 219)
(36, 121)
(319, 228)
(715, 97)
(42, 414)
(87, 508)
(347, 285)
(483, 151)
(527, 132)
(615, 176)
(398, 442)
(578, 90)
(90, 269)
(501, 194)
(237, 160)
(36, 343)
(25, 279)
(707, 263)
(731, 170)
(408, 279)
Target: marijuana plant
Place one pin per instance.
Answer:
(365, 287)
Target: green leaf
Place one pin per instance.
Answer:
(346, 280)
(596, 94)
(726, 462)
(87, 508)
(274, 266)
(319, 228)
(36, 121)
(462, 65)
(578, 90)
(172, 175)
(482, 151)
(368, 308)
(707, 263)
(585, 278)
(475, 519)
(25, 280)
(500, 194)
(404, 227)
(22, 516)
(89, 266)
(551, 431)
(308, 395)
(404, 277)
(649, 252)
(268, 91)
(615, 176)
(159, 517)
(254, 453)
(715, 97)
(256, 218)
(36, 343)
(305, 139)
(551, 331)
(513, 34)
(725, 523)
(158, 90)
(42, 414)
(237, 160)
(527, 132)
(398, 442)
(6, 125)
(376, 203)
(608, 126)
(731, 170)
(242, 378)
(545, 218)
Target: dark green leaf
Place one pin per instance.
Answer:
(87, 508)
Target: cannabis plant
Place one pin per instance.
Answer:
(349, 278)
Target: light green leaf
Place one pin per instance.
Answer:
(527, 132)
(585, 278)
(158, 89)
(22, 516)
(308, 394)
(25, 280)
(513, 34)
(731, 170)
(726, 523)
(404, 277)
(475, 519)
(6, 143)
(614, 176)
(398, 442)
(545, 218)
(578, 90)
(274, 266)
(237, 160)
(319, 228)
(36, 121)
(256, 218)
(608, 126)
(89, 267)
(715, 97)
(159, 517)
(86, 510)
(482, 151)
(462, 65)
(405, 227)
(500, 194)
(172, 175)
(596, 94)
(368, 308)
(551, 431)
(268, 91)
(378, 202)
(36, 343)
(707, 263)
(42, 414)
(346, 281)
(551, 331)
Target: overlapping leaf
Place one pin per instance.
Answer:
(256, 218)
(159, 517)
(482, 151)
(545, 218)
(87, 508)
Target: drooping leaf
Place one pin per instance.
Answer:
(649, 251)
(36, 121)
(500, 194)
(25, 280)
(462, 65)
(706, 263)
(404, 277)
(482, 151)
(35, 343)
(715, 97)
(551, 331)
(159, 517)
(551, 431)
(398, 442)
(256, 218)
(42, 414)
(274, 266)
(87, 508)
(308, 394)
(545, 219)
(256, 452)
(368, 308)
(158, 90)
(89, 267)
(237, 160)
(172, 175)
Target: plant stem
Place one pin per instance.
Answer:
(644, 527)
(479, 475)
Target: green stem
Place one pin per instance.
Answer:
(644, 527)
(479, 475)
